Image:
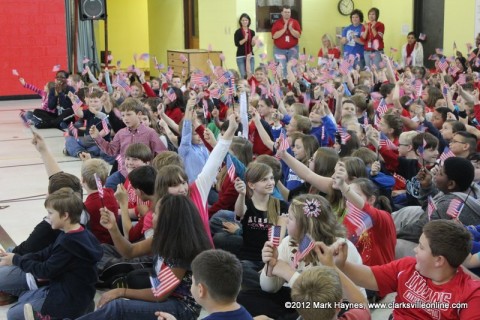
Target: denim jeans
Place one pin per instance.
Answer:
(375, 59)
(140, 310)
(13, 280)
(114, 180)
(31, 117)
(289, 55)
(35, 297)
(216, 221)
(83, 144)
(242, 66)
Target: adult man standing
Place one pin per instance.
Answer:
(285, 34)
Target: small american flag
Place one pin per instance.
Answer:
(431, 207)
(223, 78)
(447, 153)
(385, 142)
(356, 221)
(455, 208)
(453, 70)
(56, 68)
(344, 67)
(205, 108)
(164, 281)
(472, 56)
(105, 126)
(272, 66)
(418, 88)
(171, 95)
(283, 142)
(442, 64)
(73, 130)
(77, 104)
(462, 78)
(274, 235)
(119, 159)
(365, 119)
(99, 185)
(304, 248)
(344, 135)
(382, 107)
(145, 56)
(230, 168)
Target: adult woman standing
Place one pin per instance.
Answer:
(372, 35)
(244, 41)
(412, 52)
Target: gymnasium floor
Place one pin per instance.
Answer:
(23, 180)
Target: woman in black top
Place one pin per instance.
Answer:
(244, 41)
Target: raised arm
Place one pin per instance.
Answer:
(51, 165)
(323, 184)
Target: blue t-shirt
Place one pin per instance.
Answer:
(239, 314)
(352, 47)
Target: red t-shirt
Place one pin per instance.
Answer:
(332, 51)
(371, 41)
(400, 276)
(377, 245)
(93, 203)
(287, 40)
(175, 114)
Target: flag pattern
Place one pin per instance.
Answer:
(304, 247)
(274, 235)
(230, 168)
(357, 222)
(447, 153)
(387, 143)
(99, 185)
(455, 208)
(73, 130)
(164, 281)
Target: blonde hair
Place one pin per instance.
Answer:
(317, 285)
(92, 166)
(324, 227)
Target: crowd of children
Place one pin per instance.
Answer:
(332, 183)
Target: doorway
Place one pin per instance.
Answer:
(190, 14)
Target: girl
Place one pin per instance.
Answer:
(363, 194)
(346, 148)
(177, 239)
(307, 214)
(173, 179)
(303, 147)
(328, 51)
(257, 213)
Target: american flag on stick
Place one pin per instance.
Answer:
(99, 185)
(230, 168)
(274, 235)
(164, 281)
(455, 208)
(356, 221)
(304, 247)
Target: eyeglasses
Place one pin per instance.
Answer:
(455, 141)
(404, 145)
(60, 78)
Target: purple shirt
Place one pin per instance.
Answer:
(125, 137)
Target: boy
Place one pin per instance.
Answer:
(94, 116)
(431, 285)
(326, 286)
(134, 132)
(216, 279)
(142, 180)
(69, 263)
(93, 202)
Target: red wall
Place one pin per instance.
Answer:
(32, 40)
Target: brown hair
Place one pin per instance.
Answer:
(66, 200)
(140, 151)
(448, 239)
(168, 176)
(91, 167)
(167, 158)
